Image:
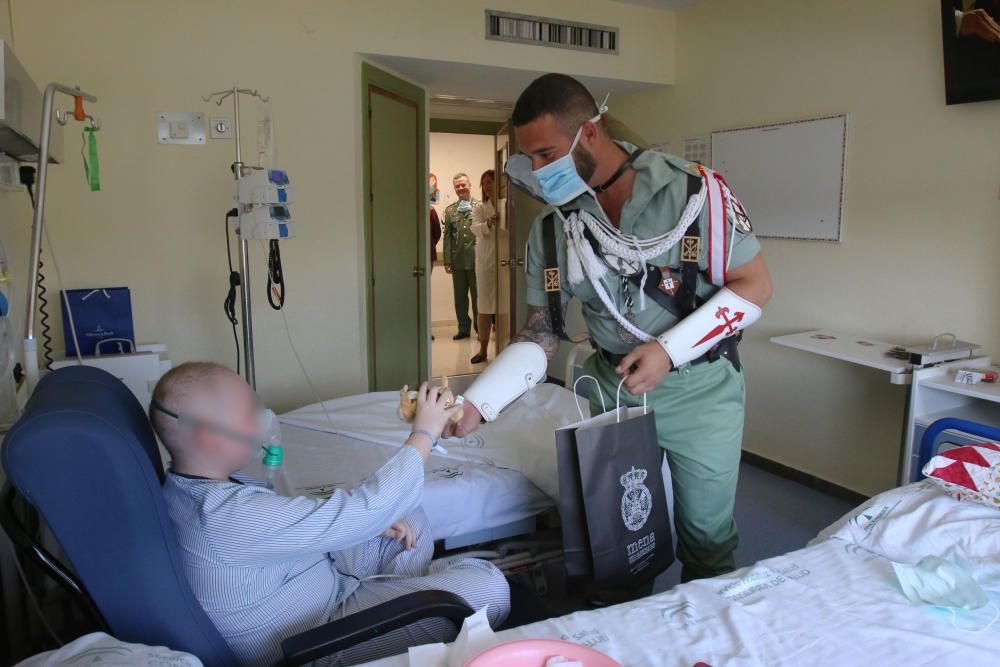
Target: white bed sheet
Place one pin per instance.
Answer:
(836, 602)
(522, 439)
(920, 519)
(459, 497)
(833, 603)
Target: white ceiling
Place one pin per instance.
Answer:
(488, 82)
(662, 4)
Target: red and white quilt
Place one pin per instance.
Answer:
(968, 473)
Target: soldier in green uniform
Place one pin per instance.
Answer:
(661, 255)
(460, 254)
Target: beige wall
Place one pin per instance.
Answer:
(921, 218)
(157, 224)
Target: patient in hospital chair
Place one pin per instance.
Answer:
(265, 566)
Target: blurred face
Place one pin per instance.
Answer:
(488, 187)
(463, 188)
(230, 426)
(544, 140)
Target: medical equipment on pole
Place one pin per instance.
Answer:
(262, 197)
(516, 370)
(30, 344)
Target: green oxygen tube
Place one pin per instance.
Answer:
(91, 165)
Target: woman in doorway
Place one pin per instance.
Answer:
(484, 222)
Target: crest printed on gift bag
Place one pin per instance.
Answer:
(637, 501)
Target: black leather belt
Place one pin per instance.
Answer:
(726, 349)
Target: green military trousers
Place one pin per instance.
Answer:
(463, 282)
(699, 424)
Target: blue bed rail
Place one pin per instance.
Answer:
(975, 429)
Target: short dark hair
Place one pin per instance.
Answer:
(560, 95)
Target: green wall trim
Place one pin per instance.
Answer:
(458, 126)
(373, 76)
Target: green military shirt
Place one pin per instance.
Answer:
(659, 195)
(459, 241)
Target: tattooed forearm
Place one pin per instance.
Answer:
(538, 329)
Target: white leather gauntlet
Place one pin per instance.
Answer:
(517, 369)
(722, 316)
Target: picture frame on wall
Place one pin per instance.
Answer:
(970, 31)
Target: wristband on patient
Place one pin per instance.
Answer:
(435, 445)
(722, 316)
(517, 369)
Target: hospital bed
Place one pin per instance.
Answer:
(487, 486)
(835, 602)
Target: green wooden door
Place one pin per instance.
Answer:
(396, 215)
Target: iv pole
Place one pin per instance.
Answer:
(248, 355)
(30, 344)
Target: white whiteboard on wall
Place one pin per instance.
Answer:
(789, 176)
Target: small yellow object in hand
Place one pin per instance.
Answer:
(408, 401)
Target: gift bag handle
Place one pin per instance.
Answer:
(576, 396)
(618, 400)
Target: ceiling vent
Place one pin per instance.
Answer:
(523, 29)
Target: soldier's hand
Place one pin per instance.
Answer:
(467, 424)
(448, 268)
(645, 367)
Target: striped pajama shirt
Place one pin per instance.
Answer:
(265, 567)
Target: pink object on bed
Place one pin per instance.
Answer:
(536, 652)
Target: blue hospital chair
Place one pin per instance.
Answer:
(84, 461)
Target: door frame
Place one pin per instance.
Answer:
(372, 76)
(460, 126)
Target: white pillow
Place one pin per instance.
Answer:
(918, 520)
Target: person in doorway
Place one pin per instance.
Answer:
(662, 255)
(460, 255)
(435, 236)
(484, 224)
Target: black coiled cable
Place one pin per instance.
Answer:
(229, 305)
(275, 276)
(27, 174)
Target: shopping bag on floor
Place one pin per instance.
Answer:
(612, 498)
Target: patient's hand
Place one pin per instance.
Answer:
(467, 424)
(433, 412)
(402, 532)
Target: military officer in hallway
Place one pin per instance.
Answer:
(460, 254)
(661, 254)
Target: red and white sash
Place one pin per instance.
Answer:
(719, 201)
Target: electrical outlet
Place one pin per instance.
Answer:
(180, 128)
(221, 128)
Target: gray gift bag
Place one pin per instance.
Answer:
(612, 498)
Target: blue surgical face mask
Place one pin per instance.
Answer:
(559, 180)
(464, 205)
(556, 183)
(941, 583)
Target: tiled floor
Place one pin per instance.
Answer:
(451, 357)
